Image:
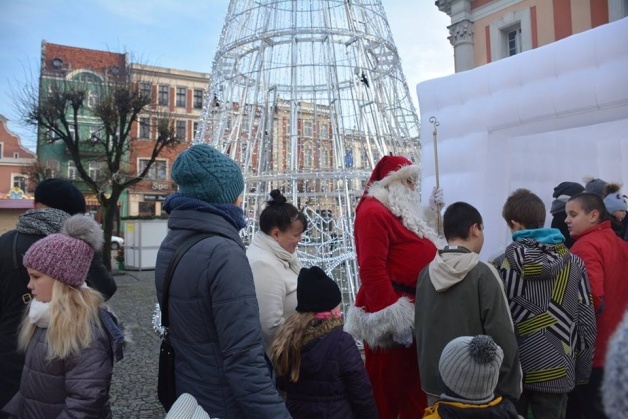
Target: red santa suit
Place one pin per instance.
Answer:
(391, 251)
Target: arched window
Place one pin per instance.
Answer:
(87, 77)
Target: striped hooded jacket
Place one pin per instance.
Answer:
(551, 305)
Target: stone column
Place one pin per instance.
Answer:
(617, 9)
(461, 37)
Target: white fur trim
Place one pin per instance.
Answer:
(403, 174)
(377, 329)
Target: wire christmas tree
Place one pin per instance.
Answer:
(307, 95)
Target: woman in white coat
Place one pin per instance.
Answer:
(273, 258)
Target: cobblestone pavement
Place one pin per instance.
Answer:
(134, 383)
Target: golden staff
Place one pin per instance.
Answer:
(436, 124)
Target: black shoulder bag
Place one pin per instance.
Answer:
(166, 391)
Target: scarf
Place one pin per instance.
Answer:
(39, 314)
(233, 214)
(264, 241)
(42, 222)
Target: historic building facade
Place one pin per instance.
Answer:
(14, 160)
(483, 31)
(177, 99)
(68, 67)
(15, 191)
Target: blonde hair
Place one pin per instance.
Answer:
(73, 316)
(299, 330)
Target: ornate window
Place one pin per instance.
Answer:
(180, 130)
(511, 34)
(146, 90)
(164, 95)
(144, 127)
(181, 96)
(72, 174)
(307, 129)
(198, 99)
(157, 171)
(95, 169)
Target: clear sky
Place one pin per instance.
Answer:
(176, 34)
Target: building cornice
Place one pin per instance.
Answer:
(444, 6)
(6, 161)
(491, 8)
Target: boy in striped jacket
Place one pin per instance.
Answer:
(551, 305)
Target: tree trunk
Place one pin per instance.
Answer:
(109, 206)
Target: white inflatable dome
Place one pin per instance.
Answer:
(553, 114)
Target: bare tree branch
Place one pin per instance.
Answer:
(65, 110)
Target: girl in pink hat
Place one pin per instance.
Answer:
(70, 338)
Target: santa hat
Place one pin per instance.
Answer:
(386, 168)
(386, 165)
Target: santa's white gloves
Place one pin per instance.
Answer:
(403, 338)
(436, 199)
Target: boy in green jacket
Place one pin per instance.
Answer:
(458, 295)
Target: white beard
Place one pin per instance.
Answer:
(404, 203)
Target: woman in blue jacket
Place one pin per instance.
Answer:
(214, 316)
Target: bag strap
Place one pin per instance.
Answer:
(16, 265)
(191, 241)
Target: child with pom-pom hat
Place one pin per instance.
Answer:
(469, 367)
(69, 336)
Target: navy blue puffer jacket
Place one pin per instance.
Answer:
(214, 320)
(332, 382)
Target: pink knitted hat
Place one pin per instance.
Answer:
(66, 256)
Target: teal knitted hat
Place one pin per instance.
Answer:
(204, 173)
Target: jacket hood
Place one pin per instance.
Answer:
(188, 222)
(542, 260)
(544, 235)
(115, 331)
(450, 266)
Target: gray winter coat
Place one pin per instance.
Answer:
(75, 387)
(214, 321)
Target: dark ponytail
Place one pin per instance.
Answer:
(280, 214)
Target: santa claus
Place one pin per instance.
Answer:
(395, 239)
